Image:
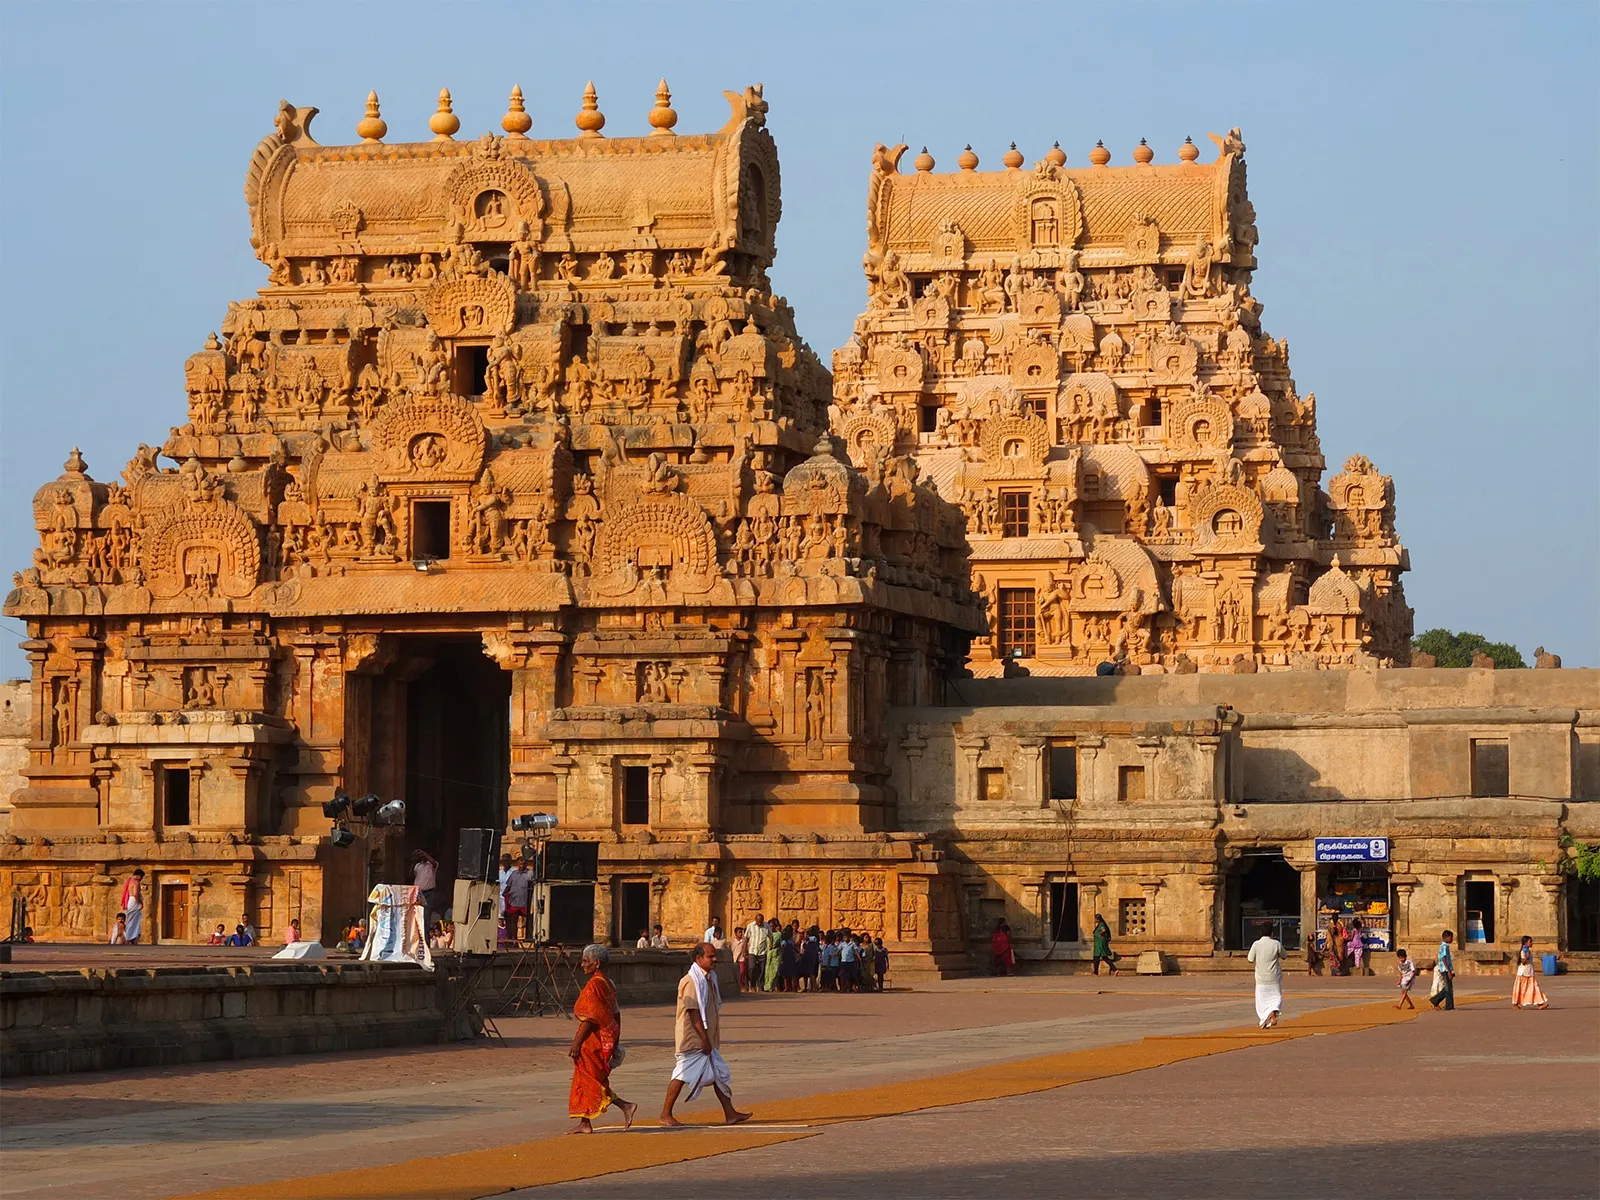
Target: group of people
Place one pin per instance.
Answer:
(1003, 952)
(785, 958)
(1267, 954)
(597, 1047)
(1346, 952)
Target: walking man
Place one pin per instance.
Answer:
(756, 952)
(697, 1038)
(1267, 954)
(1443, 993)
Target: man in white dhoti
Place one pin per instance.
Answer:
(698, 1038)
(133, 906)
(1267, 954)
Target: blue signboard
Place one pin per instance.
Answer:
(1352, 849)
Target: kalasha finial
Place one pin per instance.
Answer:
(1142, 154)
(923, 161)
(1012, 158)
(75, 464)
(444, 123)
(372, 127)
(1056, 156)
(590, 120)
(1099, 156)
(1188, 151)
(516, 122)
(663, 116)
(968, 160)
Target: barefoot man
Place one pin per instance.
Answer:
(1267, 954)
(596, 1046)
(699, 1034)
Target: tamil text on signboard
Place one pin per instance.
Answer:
(1352, 849)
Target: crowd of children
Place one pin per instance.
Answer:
(785, 958)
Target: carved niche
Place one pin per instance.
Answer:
(1048, 213)
(1226, 518)
(434, 437)
(663, 541)
(1200, 424)
(1144, 240)
(489, 196)
(1015, 445)
(206, 552)
(867, 434)
(1334, 593)
(471, 306)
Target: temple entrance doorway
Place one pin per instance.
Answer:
(1263, 897)
(440, 738)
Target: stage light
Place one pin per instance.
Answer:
(335, 808)
(534, 822)
(341, 837)
(392, 813)
(366, 805)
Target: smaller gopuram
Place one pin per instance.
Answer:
(511, 491)
(1075, 357)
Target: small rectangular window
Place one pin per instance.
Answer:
(1491, 767)
(173, 781)
(430, 529)
(1131, 918)
(471, 370)
(1152, 412)
(992, 784)
(1130, 784)
(1478, 900)
(1014, 514)
(1169, 492)
(1063, 771)
(930, 418)
(636, 795)
(1016, 622)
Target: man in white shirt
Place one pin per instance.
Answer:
(1267, 954)
(756, 953)
(713, 933)
(659, 940)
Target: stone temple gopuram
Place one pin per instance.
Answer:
(510, 491)
(515, 490)
(1074, 357)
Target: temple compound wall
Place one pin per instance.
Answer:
(1186, 810)
(1074, 357)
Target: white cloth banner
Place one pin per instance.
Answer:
(396, 934)
(300, 950)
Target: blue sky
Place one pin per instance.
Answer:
(1425, 176)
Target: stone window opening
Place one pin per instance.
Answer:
(930, 419)
(1014, 514)
(1130, 784)
(1152, 411)
(1168, 490)
(1491, 767)
(173, 783)
(1017, 622)
(471, 374)
(1062, 917)
(1132, 917)
(635, 795)
(1063, 768)
(633, 911)
(430, 529)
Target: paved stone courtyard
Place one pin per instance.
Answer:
(1484, 1102)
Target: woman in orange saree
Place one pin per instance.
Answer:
(596, 1046)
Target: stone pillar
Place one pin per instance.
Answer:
(1089, 893)
(1035, 896)
(604, 910)
(1031, 769)
(1403, 887)
(1150, 885)
(1089, 747)
(969, 747)
(1504, 935)
(1553, 890)
(1149, 748)
(1209, 884)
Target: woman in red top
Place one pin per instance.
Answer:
(1000, 944)
(596, 1046)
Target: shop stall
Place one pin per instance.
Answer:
(1353, 890)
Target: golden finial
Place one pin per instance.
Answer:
(968, 160)
(516, 122)
(590, 120)
(444, 123)
(923, 161)
(1099, 156)
(663, 116)
(1188, 151)
(372, 127)
(1142, 154)
(1012, 158)
(1056, 156)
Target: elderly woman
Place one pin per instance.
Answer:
(596, 1046)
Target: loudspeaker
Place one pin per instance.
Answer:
(571, 862)
(476, 860)
(477, 917)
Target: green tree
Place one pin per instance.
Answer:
(1456, 649)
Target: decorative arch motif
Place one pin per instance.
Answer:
(1036, 365)
(471, 182)
(1200, 424)
(1015, 445)
(1118, 474)
(1226, 517)
(1048, 213)
(1089, 392)
(1097, 586)
(209, 552)
(1335, 593)
(821, 484)
(865, 434)
(441, 437)
(472, 306)
(664, 539)
(899, 368)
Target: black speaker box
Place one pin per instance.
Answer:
(571, 862)
(479, 850)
